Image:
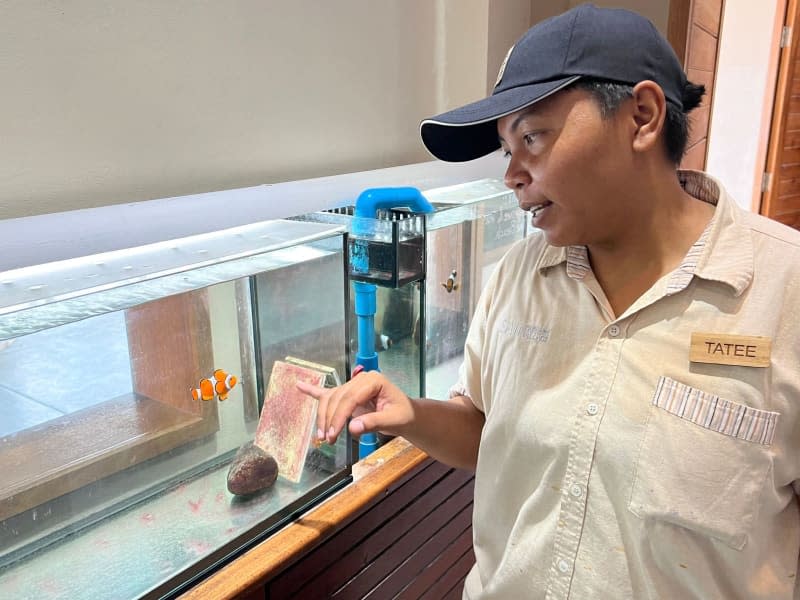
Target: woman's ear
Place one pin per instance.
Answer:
(649, 114)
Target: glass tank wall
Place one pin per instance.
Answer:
(424, 305)
(474, 225)
(121, 414)
(387, 266)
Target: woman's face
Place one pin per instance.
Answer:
(569, 166)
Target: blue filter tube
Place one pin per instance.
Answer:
(366, 357)
(367, 205)
(367, 444)
(366, 306)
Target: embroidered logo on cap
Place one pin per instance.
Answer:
(503, 67)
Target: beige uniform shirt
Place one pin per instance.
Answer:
(612, 466)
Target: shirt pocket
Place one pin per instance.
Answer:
(703, 462)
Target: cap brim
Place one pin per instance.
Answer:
(471, 131)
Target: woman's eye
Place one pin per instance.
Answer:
(529, 138)
(506, 154)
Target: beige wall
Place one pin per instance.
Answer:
(544, 9)
(655, 10)
(508, 20)
(459, 57)
(108, 102)
(113, 102)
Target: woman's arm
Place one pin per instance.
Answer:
(448, 431)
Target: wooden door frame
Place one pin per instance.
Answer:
(678, 26)
(690, 27)
(780, 112)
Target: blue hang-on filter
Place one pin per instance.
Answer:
(367, 207)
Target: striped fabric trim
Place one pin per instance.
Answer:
(700, 186)
(578, 262)
(715, 413)
(684, 273)
(705, 189)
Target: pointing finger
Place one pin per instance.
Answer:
(310, 389)
(322, 395)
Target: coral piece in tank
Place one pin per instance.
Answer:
(287, 418)
(251, 471)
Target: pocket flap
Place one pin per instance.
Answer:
(715, 413)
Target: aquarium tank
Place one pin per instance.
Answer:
(151, 427)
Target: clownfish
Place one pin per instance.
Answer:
(219, 384)
(205, 391)
(450, 285)
(223, 383)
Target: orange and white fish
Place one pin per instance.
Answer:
(205, 391)
(223, 383)
(219, 384)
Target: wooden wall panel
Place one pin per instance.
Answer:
(693, 31)
(415, 542)
(327, 553)
(707, 79)
(406, 533)
(699, 119)
(707, 15)
(445, 573)
(414, 568)
(695, 157)
(702, 53)
(677, 30)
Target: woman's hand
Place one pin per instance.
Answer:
(373, 401)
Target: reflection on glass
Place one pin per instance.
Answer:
(474, 226)
(397, 336)
(31, 395)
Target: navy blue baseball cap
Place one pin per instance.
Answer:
(611, 44)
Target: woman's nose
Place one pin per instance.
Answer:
(516, 177)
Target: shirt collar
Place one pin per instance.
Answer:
(724, 252)
(727, 255)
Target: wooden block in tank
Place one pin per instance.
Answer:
(288, 417)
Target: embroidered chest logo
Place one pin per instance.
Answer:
(529, 333)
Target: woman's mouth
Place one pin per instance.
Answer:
(537, 210)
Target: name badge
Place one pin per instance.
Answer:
(724, 349)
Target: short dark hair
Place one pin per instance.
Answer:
(609, 95)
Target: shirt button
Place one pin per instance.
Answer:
(613, 331)
(592, 408)
(576, 490)
(563, 566)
